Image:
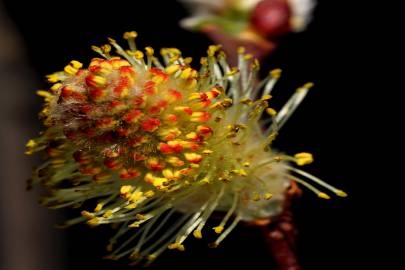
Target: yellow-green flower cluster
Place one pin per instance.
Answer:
(158, 146)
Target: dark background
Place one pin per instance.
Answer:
(332, 234)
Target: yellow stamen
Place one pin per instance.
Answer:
(197, 234)
(218, 229)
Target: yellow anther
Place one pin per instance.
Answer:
(248, 56)
(149, 51)
(126, 189)
(108, 213)
(308, 85)
(138, 54)
(136, 196)
(266, 97)
(218, 229)
(207, 152)
(272, 112)
(193, 96)
(151, 257)
(341, 193)
(246, 164)
(134, 224)
(242, 172)
(172, 69)
(140, 217)
(191, 84)
(186, 73)
(45, 94)
(98, 80)
(94, 221)
(130, 35)
(53, 78)
(267, 196)
(159, 182)
(70, 70)
(323, 195)
(106, 48)
(192, 157)
(56, 86)
(241, 50)
(275, 73)
(99, 207)
(131, 206)
(188, 60)
(177, 246)
(246, 101)
(205, 180)
(204, 61)
(303, 158)
(31, 144)
(213, 49)
(233, 71)
(256, 197)
(87, 214)
(168, 173)
(192, 135)
(76, 64)
(255, 64)
(149, 193)
(197, 234)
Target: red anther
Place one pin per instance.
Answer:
(132, 116)
(118, 63)
(94, 69)
(70, 134)
(150, 125)
(175, 94)
(155, 165)
(204, 130)
(150, 88)
(200, 116)
(113, 164)
(95, 81)
(121, 87)
(90, 170)
(52, 152)
(188, 110)
(123, 132)
(80, 72)
(116, 106)
(81, 157)
(101, 176)
(159, 72)
(97, 93)
(177, 148)
(192, 146)
(171, 118)
(127, 70)
(138, 157)
(160, 105)
(136, 141)
(203, 97)
(105, 122)
(90, 132)
(129, 173)
(165, 148)
(138, 101)
(86, 108)
(67, 93)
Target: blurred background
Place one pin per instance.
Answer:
(37, 38)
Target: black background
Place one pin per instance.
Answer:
(332, 234)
